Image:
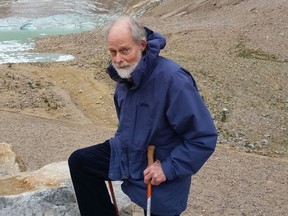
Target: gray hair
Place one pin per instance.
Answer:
(136, 29)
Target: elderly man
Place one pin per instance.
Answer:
(157, 102)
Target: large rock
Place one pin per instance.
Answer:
(47, 192)
(10, 162)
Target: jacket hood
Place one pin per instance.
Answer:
(155, 43)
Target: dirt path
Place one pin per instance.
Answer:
(232, 183)
(40, 141)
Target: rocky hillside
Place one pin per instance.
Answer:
(237, 50)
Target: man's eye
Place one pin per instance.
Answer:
(112, 52)
(125, 51)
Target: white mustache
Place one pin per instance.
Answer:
(122, 65)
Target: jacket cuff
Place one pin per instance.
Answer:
(168, 169)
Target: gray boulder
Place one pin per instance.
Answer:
(45, 192)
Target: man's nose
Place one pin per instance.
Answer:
(118, 58)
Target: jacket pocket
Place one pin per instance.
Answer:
(137, 163)
(141, 139)
(142, 127)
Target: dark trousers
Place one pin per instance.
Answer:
(89, 169)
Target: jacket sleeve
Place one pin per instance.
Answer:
(190, 118)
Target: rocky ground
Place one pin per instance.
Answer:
(237, 52)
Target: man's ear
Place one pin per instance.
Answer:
(143, 45)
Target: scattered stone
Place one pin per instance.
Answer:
(250, 145)
(264, 142)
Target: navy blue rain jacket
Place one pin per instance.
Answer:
(161, 106)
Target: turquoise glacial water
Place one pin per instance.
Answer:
(22, 21)
(17, 35)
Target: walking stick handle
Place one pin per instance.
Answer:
(150, 154)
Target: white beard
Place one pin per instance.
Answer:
(126, 73)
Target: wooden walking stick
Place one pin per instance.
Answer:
(113, 197)
(150, 156)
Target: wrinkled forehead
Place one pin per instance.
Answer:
(120, 37)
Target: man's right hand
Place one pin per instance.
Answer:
(154, 173)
